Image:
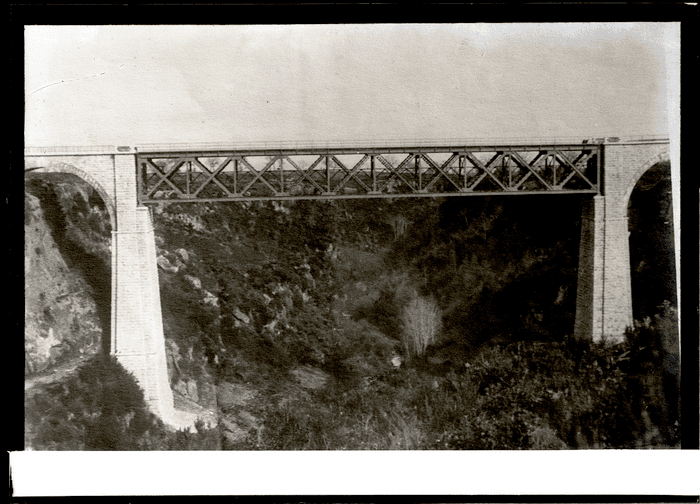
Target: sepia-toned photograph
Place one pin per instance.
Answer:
(377, 237)
(239, 238)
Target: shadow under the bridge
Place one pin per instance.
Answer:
(652, 246)
(92, 268)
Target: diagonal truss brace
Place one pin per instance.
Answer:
(305, 174)
(485, 170)
(530, 171)
(511, 169)
(395, 171)
(259, 174)
(165, 176)
(350, 174)
(211, 176)
(441, 171)
(564, 159)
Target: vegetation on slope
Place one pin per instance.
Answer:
(80, 226)
(407, 324)
(98, 406)
(498, 267)
(101, 407)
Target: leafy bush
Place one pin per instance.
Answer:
(185, 440)
(396, 290)
(576, 394)
(493, 269)
(102, 407)
(421, 320)
(375, 416)
(654, 373)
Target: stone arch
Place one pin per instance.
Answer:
(60, 167)
(659, 158)
(649, 215)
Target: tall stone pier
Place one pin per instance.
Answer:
(137, 324)
(604, 293)
(137, 338)
(604, 298)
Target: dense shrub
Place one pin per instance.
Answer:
(102, 407)
(372, 416)
(494, 269)
(396, 290)
(582, 394)
(421, 320)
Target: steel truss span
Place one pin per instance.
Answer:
(344, 173)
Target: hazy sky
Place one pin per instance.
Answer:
(109, 85)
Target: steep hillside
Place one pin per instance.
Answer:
(387, 324)
(67, 321)
(61, 317)
(501, 269)
(255, 289)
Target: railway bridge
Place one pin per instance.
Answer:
(130, 178)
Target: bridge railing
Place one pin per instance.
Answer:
(75, 150)
(349, 144)
(337, 144)
(391, 143)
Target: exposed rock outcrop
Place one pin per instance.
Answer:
(309, 377)
(238, 423)
(165, 264)
(60, 315)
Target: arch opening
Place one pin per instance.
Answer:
(651, 240)
(59, 171)
(80, 221)
(654, 286)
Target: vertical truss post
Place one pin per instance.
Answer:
(463, 171)
(418, 174)
(503, 168)
(281, 175)
(510, 177)
(328, 178)
(140, 181)
(235, 175)
(187, 177)
(599, 180)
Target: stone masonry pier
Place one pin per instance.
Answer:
(137, 338)
(604, 293)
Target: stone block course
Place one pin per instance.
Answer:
(137, 326)
(604, 297)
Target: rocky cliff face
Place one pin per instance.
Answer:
(67, 237)
(60, 315)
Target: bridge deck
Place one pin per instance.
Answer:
(342, 172)
(361, 169)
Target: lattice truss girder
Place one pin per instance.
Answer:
(328, 174)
